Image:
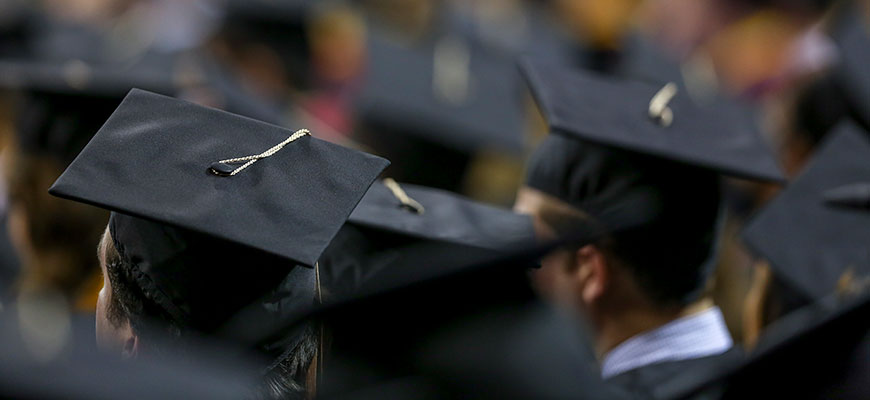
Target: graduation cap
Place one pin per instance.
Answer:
(851, 75)
(17, 27)
(427, 323)
(280, 25)
(444, 92)
(437, 102)
(390, 217)
(655, 120)
(811, 244)
(213, 209)
(62, 105)
(64, 92)
(618, 144)
(855, 196)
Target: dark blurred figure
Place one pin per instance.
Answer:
(456, 324)
(435, 105)
(391, 219)
(170, 273)
(61, 87)
(642, 286)
(805, 116)
(811, 248)
(51, 128)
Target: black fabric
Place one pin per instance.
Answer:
(10, 265)
(523, 352)
(412, 157)
(18, 25)
(74, 76)
(380, 233)
(60, 125)
(615, 113)
(225, 256)
(400, 92)
(431, 325)
(851, 75)
(852, 196)
(446, 217)
(151, 159)
(809, 243)
(280, 25)
(197, 279)
(646, 379)
(814, 353)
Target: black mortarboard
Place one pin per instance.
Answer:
(18, 24)
(209, 234)
(809, 243)
(623, 114)
(68, 89)
(444, 92)
(618, 144)
(280, 25)
(438, 102)
(63, 104)
(851, 74)
(854, 196)
(389, 217)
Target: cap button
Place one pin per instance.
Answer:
(221, 169)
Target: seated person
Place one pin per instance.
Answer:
(203, 245)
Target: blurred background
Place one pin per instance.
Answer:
(432, 85)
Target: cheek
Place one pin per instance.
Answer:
(109, 337)
(547, 278)
(102, 323)
(554, 280)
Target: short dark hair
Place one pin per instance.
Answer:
(129, 303)
(668, 249)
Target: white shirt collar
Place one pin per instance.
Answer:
(693, 336)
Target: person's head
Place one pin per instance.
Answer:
(660, 264)
(130, 322)
(49, 130)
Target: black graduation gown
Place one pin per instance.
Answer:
(646, 379)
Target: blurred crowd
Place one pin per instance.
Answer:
(433, 86)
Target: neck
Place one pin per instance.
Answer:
(614, 328)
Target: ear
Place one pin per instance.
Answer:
(591, 273)
(131, 342)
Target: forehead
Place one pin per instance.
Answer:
(546, 210)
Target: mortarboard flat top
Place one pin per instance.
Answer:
(852, 196)
(79, 77)
(852, 73)
(616, 113)
(152, 157)
(390, 221)
(64, 103)
(444, 217)
(446, 93)
(810, 243)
